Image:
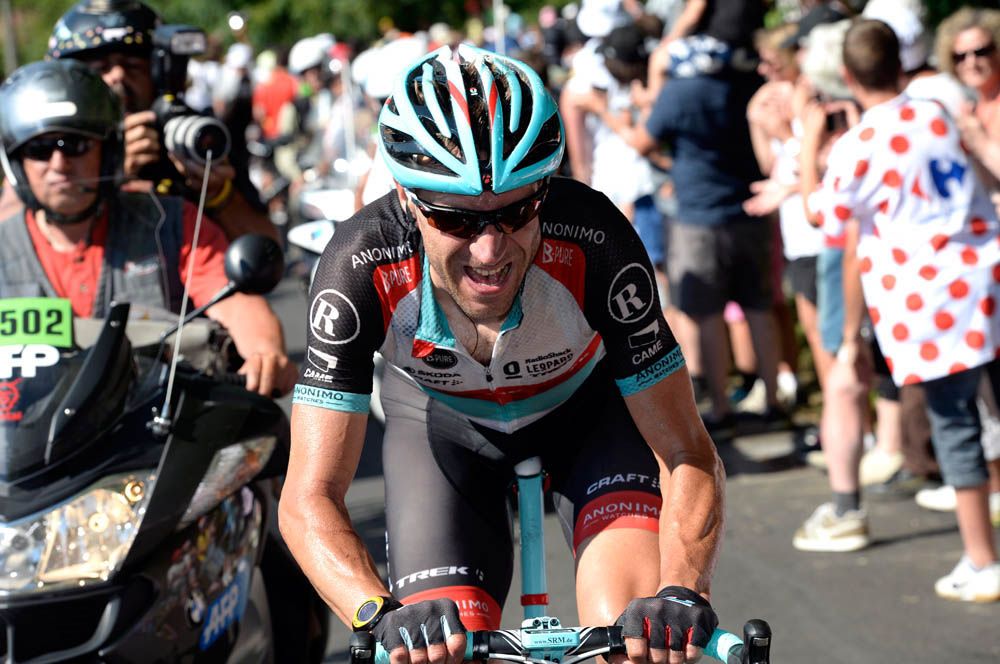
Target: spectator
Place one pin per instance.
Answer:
(716, 253)
(926, 260)
(123, 57)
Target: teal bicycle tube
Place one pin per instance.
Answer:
(531, 512)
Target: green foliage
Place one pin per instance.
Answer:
(270, 22)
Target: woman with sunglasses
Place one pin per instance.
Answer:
(966, 46)
(518, 314)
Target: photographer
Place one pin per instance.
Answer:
(116, 39)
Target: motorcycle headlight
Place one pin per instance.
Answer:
(83, 540)
(231, 467)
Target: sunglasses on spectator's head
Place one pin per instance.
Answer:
(70, 145)
(978, 53)
(467, 224)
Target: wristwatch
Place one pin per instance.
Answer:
(371, 611)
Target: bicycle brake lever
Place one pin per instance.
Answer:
(756, 642)
(362, 650)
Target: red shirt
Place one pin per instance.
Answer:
(270, 96)
(74, 274)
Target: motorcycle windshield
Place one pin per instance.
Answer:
(53, 403)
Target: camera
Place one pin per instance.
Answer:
(186, 133)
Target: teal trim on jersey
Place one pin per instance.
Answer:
(433, 325)
(348, 402)
(654, 374)
(540, 403)
(515, 316)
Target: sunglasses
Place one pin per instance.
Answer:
(467, 224)
(70, 145)
(977, 53)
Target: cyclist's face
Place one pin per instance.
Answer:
(63, 180)
(128, 75)
(482, 274)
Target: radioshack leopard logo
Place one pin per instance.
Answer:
(631, 294)
(333, 318)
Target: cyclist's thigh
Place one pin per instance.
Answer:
(604, 475)
(447, 520)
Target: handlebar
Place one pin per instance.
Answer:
(544, 641)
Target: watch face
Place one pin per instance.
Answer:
(367, 611)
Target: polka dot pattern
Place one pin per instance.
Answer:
(931, 277)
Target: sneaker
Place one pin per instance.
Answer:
(816, 459)
(878, 466)
(967, 584)
(939, 499)
(825, 531)
(942, 499)
(753, 400)
(788, 389)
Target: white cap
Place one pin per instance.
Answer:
(597, 18)
(824, 58)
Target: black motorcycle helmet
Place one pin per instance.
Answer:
(124, 26)
(59, 96)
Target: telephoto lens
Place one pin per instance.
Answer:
(193, 136)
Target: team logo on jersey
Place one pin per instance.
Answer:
(441, 359)
(333, 318)
(631, 294)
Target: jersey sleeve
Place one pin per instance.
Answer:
(622, 302)
(345, 325)
(838, 198)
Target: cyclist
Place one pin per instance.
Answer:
(518, 316)
(80, 238)
(115, 39)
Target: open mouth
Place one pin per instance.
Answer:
(491, 278)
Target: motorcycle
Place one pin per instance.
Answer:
(138, 495)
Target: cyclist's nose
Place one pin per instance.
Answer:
(488, 245)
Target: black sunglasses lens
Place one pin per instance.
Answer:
(41, 149)
(466, 224)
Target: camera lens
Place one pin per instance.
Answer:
(193, 136)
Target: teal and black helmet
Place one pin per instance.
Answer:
(464, 121)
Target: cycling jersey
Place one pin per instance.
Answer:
(589, 295)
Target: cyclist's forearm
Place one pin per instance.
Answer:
(691, 523)
(313, 516)
(319, 534)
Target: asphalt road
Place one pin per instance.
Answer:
(875, 606)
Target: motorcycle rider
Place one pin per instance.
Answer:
(79, 237)
(115, 38)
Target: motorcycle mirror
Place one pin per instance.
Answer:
(254, 264)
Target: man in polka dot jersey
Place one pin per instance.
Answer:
(928, 253)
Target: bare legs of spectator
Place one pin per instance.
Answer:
(763, 333)
(974, 524)
(845, 401)
(822, 359)
(711, 335)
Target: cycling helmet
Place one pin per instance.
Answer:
(58, 96)
(465, 120)
(104, 25)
